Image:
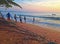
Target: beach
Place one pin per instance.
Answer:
(49, 33)
(30, 22)
(14, 32)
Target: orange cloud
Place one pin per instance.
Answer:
(45, 6)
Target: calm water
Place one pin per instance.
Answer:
(49, 20)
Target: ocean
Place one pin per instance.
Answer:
(44, 19)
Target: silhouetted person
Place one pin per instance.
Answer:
(33, 19)
(15, 17)
(20, 18)
(1, 15)
(8, 16)
(25, 19)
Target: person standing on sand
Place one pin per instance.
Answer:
(1, 15)
(25, 19)
(20, 18)
(8, 16)
(15, 17)
(33, 19)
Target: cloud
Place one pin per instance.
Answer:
(41, 5)
(39, 0)
(37, 5)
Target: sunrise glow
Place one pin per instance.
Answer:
(40, 5)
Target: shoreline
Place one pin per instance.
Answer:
(49, 27)
(50, 34)
(33, 25)
(44, 26)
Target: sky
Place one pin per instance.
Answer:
(38, 6)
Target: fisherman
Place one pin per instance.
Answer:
(15, 17)
(20, 18)
(25, 19)
(1, 15)
(33, 19)
(8, 16)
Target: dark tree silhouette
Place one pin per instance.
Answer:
(8, 3)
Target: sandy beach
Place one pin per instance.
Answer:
(14, 33)
(29, 21)
(49, 33)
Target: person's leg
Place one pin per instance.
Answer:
(16, 20)
(21, 20)
(8, 18)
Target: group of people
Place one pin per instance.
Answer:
(8, 16)
(15, 17)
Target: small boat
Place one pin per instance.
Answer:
(53, 14)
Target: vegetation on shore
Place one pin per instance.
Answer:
(8, 3)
